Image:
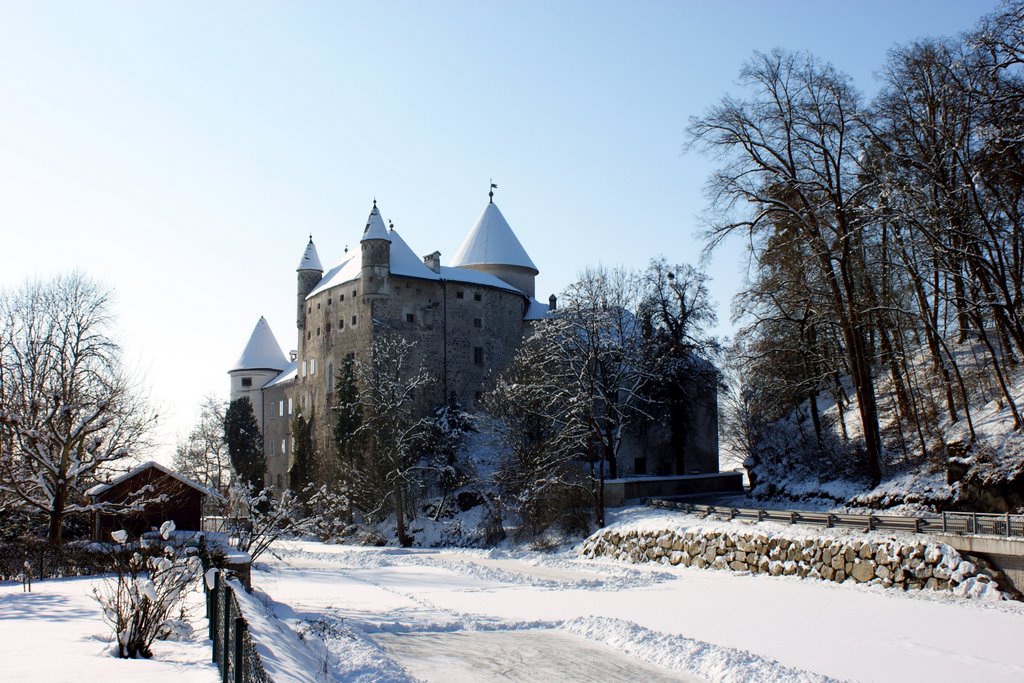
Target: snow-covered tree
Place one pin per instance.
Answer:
(388, 383)
(244, 442)
(203, 456)
(68, 407)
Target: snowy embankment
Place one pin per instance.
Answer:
(889, 560)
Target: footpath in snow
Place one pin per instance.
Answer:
(451, 615)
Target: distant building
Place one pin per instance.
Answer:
(467, 319)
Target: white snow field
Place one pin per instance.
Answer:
(56, 634)
(473, 615)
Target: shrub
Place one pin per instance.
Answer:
(144, 599)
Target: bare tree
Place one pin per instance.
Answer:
(203, 455)
(792, 150)
(68, 408)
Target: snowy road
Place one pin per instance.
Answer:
(500, 615)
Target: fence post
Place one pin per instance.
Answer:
(227, 631)
(239, 632)
(1007, 523)
(213, 614)
(830, 520)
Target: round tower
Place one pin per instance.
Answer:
(376, 255)
(260, 362)
(491, 247)
(309, 274)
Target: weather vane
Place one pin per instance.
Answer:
(493, 188)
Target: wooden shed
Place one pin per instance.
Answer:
(146, 497)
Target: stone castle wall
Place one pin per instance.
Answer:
(909, 565)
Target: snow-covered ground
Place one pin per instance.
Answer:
(56, 634)
(389, 614)
(474, 615)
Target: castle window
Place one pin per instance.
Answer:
(341, 297)
(327, 379)
(303, 368)
(410, 317)
(477, 296)
(353, 320)
(312, 366)
(354, 291)
(460, 295)
(478, 322)
(271, 447)
(318, 331)
(309, 309)
(289, 406)
(328, 301)
(280, 408)
(284, 448)
(247, 381)
(478, 355)
(341, 324)
(309, 335)
(318, 305)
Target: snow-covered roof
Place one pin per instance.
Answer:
(537, 310)
(310, 259)
(100, 488)
(405, 263)
(492, 242)
(262, 352)
(375, 228)
(288, 374)
(404, 260)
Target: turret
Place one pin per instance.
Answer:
(376, 255)
(310, 272)
(492, 247)
(261, 361)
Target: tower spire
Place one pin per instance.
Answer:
(491, 193)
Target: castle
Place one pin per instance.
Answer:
(467, 320)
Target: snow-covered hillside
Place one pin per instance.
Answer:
(985, 474)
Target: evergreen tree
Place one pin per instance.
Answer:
(348, 413)
(302, 472)
(245, 443)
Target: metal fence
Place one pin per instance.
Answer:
(234, 652)
(963, 523)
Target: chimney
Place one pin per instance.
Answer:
(552, 302)
(433, 261)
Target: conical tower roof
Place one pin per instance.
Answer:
(310, 259)
(375, 228)
(492, 242)
(262, 352)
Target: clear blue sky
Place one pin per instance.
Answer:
(181, 152)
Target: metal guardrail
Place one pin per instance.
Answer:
(962, 523)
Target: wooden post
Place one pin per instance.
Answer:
(239, 632)
(213, 614)
(227, 631)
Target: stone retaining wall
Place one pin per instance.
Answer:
(886, 562)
